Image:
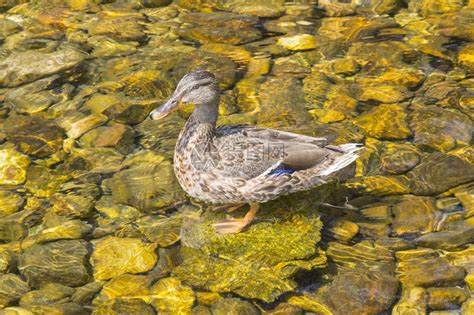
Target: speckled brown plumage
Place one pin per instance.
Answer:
(242, 163)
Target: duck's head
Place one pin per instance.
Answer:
(198, 88)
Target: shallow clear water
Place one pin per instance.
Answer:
(92, 219)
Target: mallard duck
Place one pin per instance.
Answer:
(240, 164)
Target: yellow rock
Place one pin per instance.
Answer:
(338, 100)
(258, 66)
(467, 200)
(386, 121)
(298, 42)
(114, 256)
(13, 167)
(81, 126)
(407, 77)
(310, 304)
(10, 202)
(126, 285)
(246, 92)
(381, 185)
(468, 307)
(81, 5)
(463, 258)
(383, 93)
(429, 7)
(466, 56)
(238, 54)
(98, 103)
(207, 298)
(469, 280)
(345, 66)
(170, 296)
(412, 302)
(344, 230)
(16, 311)
(327, 115)
(444, 298)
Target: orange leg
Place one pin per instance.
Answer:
(230, 226)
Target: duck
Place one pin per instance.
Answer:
(236, 165)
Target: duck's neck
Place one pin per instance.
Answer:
(199, 129)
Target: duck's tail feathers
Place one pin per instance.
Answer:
(349, 155)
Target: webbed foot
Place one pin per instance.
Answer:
(231, 226)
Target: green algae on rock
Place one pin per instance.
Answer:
(265, 271)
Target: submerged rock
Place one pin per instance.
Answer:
(170, 296)
(34, 135)
(413, 301)
(50, 293)
(10, 202)
(385, 122)
(7, 260)
(124, 306)
(44, 182)
(12, 288)
(220, 27)
(376, 292)
(233, 306)
(13, 167)
(440, 129)
(261, 8)
(74, 206)
(59, 308)
(281, 104)
(61, 261)
(121, 27)
(264, 271)
(425, 267)
(446, 298)
(146, 182)
(114, 256)
(414, 215)
(28, 66)
(125, 286)
(115, 135)
(298, 42)
(439, 172)
(36, 96)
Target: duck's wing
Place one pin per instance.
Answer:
(248, 151)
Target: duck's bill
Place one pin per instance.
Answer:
(164, 110)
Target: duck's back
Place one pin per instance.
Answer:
(249, 151)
